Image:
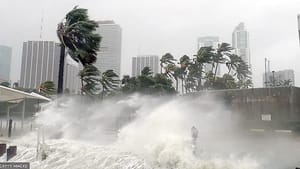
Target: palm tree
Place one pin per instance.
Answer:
(177, 73)
(203, 56)
(218, 58)
(233, 62)
(146, 71)
(242, 71)
(77, 35)
(6, 84)
(89, 77)
(109, 81)
(184, 62)
(166, 60)
(47, 88)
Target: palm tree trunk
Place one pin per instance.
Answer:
(199, 86)
(61, 69)
(81, 86)
(182, 89)
(216, 71)
(229, 70)
(177, 85)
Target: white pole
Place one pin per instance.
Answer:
(38, 143)
(23, 113)
(7, 115)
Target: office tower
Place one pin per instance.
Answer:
(71, 79)
(207, 41)
(279, 78)
(109, 56)
(5, 62)
(240, 43)
(40, 63)
(142, 61)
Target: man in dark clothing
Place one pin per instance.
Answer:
(195, 132)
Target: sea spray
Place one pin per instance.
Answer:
(156, 134)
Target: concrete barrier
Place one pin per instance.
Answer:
(2, 149)
(11, 152)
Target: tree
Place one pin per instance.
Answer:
(148, 84)
(109, 82)
(233, 62)
(129, 84)
(184, 62)
(146, 71)
(90, 77)
(223, 49)
(165, 60)
(177, 74)
(203, 57)
(47, 88)
(15, 85)
(242, 71)
(77, 35)
(6, 84)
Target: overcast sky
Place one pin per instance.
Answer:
(160, 26)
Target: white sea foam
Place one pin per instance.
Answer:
(156, 135)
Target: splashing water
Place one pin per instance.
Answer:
(145, 132)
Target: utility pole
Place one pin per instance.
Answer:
(266, 85)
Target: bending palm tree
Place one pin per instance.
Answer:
(109, 81)
(222, 50)
(184, 62)
(77, 35)
(47, 88)
(234, 61)
(89, 77)
(166, 60)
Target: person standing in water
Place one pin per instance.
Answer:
(195, 132)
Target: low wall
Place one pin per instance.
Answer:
(266, 108)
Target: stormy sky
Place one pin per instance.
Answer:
(161, 26)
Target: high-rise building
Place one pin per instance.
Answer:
(279, 78)
(142, 61)
(240, 43)
(5, 62)
(40, 63)
(207, 41)
(109, 56)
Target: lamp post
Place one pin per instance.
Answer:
(273, 73)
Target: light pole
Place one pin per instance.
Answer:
(273, 73)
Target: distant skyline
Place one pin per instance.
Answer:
(149, 27)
